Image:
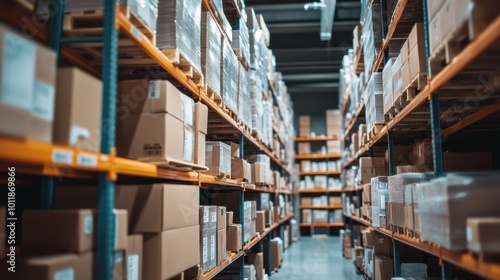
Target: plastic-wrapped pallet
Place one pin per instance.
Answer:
(446, 203)
(249, 272)
(241, 41)
(178, 28)
(379, 198)
(229, 74)
(146, 10)
(244, 98)
(374, 101)
(266, 161)
(210, 52)
(218, 158)
(372, 36)
(387, 84)
(397, 78)
(254, 37)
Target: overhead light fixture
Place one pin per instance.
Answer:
(327, 8)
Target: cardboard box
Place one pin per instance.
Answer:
(467, 161)
(417, 61)
(235, 149)
(42, 110)
(258, 172)
(403, 155)
(77, 118)
(199, 149)
(58, 231)
(305, 125)
(333, 146)
(433, 7)
(204, 250)
(208, 217)
(306, 200)
(435, 31)
(276, 252)
(422, 154)
(335, 200)
(408, 216)
(384, 267)
(50, 267)
(234, 238)
(17, 78)
(405, 74)
(482, 235)
(221, 217)
(229, 218)
(119, 269)
(201, 117)
(416, 36)
(134, 257)
(221, 246)
(154, 137)
(304, 148)
(405, 52)
(170, 252)
(121, 229)
(382, 245)
(218, 158)
(367, 238)
(212, 237)
(257, 259)
(261, 221)
(241, 169)
(276, 213)
(447, 13)
(85, 266)
(155, 97)
(413, 169)
(371, 162)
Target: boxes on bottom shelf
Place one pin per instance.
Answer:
(234, 238)
(260, 222)
(383, 267)
(221, 245)
(303, 148)
(208, 248)
(276, 252)
(170, 252)
(257, 259)
(72, 266)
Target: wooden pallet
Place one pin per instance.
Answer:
(245, 127)
(241, 58)
(375, 130)
(411, 233)
(213, 95)
(229, 111)
(180, 60)
(222, 176)
(415, 86)
(396, 229)
(189, 274)
(84, 23)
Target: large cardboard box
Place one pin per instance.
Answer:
(382, 245)
(221, 217)
(466, 161)
(257, 259)
(208, 217)
(134, 257)
(154, 137)
(201, 117)
(77, 118)
(154, 97)
(417, 61)
(304, 148)
(482, 235)
(170, 252)
(208, 248)
(384, 267)
(405, 74)
(234, 238)
(276, 252)
(260, 223)
(119, 269)
(241, 169)
(221, 245)
(17, 77)
(58, 231)
(403, 155)
(416, 36)
(121, 229)
(306, 200)
(433, 7)
(258, 172)
(371, 162)
(50, 267)
(199, 149)
(435, 31)
(85, 266)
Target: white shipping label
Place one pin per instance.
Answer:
(62, 156)
(88, 226)
(382, 202)
(469, 234)
(205, 215)
(18, 75)
(118, 256)
(212, 247)
(77, 133)
(214, 217)
(187, 109)
(136, 32)
(205, 250)
(133, 267)
(208, 148)
(86, 160)
(154, 89)
(43, 101)
(188, 145)
(65, 274)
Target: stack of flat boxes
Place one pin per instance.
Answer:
(305, 125)
(250, 216)
(367, 201)
(346, 243)
(379, 197)
(229, 76)
(333, 122)
(387, 85)
(208, 237)
(261, 169)
(234, 234)
(218, 158)
(374, 101)
(370, 167)
(160, 124)
(276, 252)
(413, 56)
(367, 235)
(211, 39)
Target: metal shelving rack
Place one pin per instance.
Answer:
(37, 158)
(431, 99)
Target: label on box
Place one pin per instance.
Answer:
(43, 101)
(136, 32)
(62, 156)
(205, 215)
(86, 160)
(133, 267)
(205, 249)
(154, 89)
(88, 223)
(187, 109)
(469, 234)
(188, 145)
(76, 133)
(212, 247)
(65, 274)
(382, 202)
(118, 257)
(18, 75)
(214, 217)
(208, 148)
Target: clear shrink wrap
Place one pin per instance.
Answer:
(372, 36)
(178, 27)
(244, 98)
(374, 101)
(387, 85)
(241, 41)
(218, 158)
(379, 198)
(210, 52)
(444, 204)
(229, 74)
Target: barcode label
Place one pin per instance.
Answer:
(205, 250)
(133, 267)
(65, 274)
(212, 247)
(62, 156)
(154, 89)
(214, 217)
(86, 160)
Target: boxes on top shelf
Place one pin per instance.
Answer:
(241, 41)
(229, 75)
(372, 36)
(265, 30)
(387, 85)
(210, 52)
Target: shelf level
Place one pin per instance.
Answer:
(315, 138)
(354, 189)
(325, 207)
(319, 156)
(322, 224)
(319, 190)
(334, 172)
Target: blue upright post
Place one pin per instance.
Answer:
(47, 195)
(106, 219)
(397, 266)
(446, 271)
(392, 160)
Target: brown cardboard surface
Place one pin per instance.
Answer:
(405, 52)
(433, 7)
(212, 241)
(121, 229)
(335, 200)
(413, 168)
(234, 238)
(405, 74)
(235, 149)
(422, 153)
(417, 61)
(134, 257)
(229, 218)
(276, 252)
(383, 267)
(221, 245)
(218, 157)
(170, 252)
(257, 259)
(367, 238)
(119, 269)
(258, 172)
(402, 155)
(408, 216)
(58, 231)
(153, 137)
(482, 235)
(447, 14)
(382, 245)
(435, 31)
(466, 161)
(276, 213)
(46, 267)
(371, 162)
(239, 169)
(333, 146)
(416, 36)
(43, 94)
(85, 266)
(199, 149)
(303, 148)
(201, 117)
(305, 120)
(77, 117)
(221, 217)
(159, 207)
(306, 200)
(261, 221)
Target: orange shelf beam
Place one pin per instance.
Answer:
(322, 225)
(334, 172)
(325, 207)
(319, 156)
(316, 138)
(319, 190)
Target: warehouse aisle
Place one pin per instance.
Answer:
(316, 258)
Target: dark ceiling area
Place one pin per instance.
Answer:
(310, 66)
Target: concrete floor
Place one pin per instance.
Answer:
(316, 258)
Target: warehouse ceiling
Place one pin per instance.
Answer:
(310, 66)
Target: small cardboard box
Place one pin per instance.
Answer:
(77, 118)
(306, 200)
(235, 149)
(221, 245)
(422, 153)
(234, 238)
(201, 117)
(241, 169)
(121, 229)
(218, 158)
(204, 250)
(405, 74)
(433, 7)
(482, 235)
(134, 257)
(435, 31)
(221, 217)
(229, 218)
(258, 172)
(50, 267)
(261, 221)
(257, 259)
(170, 252)
(417, 61)
(304, 148)
(382, 245)
(58, 231)
(384, 267)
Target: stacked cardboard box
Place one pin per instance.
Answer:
(334, 146)
(221, 234)
(387, 83)
(244, 96)
(333, 122)
(261, 169)
(229, 76)
(303, 148)
(411, 221)
(250, 217)
(383, 254)
(367, 201)
(157, 125)
(346, 243)
(208, 237)
(379, 197)
(481, 235)
(234, 235)
(304, 125)
(372, 36)
(374, 101)
(276, 252)
(218, 158)
(370, 167)
(413, 56)
(241, 41)
(200, 128)
(257, 260)
(368, 253)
